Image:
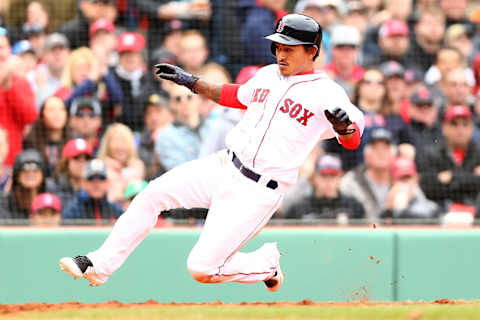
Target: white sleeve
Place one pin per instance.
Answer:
(341, 100)
(245, 92)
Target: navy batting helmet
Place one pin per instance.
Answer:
(294, 29)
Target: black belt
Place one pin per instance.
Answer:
(272, 184)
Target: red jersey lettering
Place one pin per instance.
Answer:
(306, 115)
(295, 110)
(264, 94)
(255, 96)
(286, 105)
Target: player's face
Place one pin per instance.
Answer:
(294, 59)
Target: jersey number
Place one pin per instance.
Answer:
(296, 110)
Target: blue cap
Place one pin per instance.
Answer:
(22, 47)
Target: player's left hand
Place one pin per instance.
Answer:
(176, 74)
(339, 120)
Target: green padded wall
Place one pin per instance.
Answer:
(324, 264)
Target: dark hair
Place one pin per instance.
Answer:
(308, 46)
(356, 92)
(18, 192)
(38, 139)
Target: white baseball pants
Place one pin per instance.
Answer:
(239, 209)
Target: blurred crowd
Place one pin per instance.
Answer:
(84, 125)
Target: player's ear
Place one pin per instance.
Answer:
(312, 50)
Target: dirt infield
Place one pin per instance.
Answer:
(8, 309)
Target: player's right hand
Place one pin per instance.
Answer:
(176, 74)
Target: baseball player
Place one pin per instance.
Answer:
(289, 108)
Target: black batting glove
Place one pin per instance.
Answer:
(176, 74)
(339, 120)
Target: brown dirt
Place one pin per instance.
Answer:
(361, 300)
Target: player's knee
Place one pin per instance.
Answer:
(197, 271)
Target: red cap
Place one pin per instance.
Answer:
(246, 74)
(393, 28)
(329, 164)
(46, 200)
(130, 41)
(457, 111)
(75, 147)
(403, 167)
(101, 24)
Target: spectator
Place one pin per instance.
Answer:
(158, 115)
(118, 151)
(394, 10)
(373, 7)
(76, 30)
(46, 210)
(447, 59)
(260, 20)
(5, 171)
(193, 51)
(326, 12)
(36, 35)
(16, 100)
(393, 44)
(132, 76)
(49, 133)
(395, 84)
(84, 76)
(48, 77)
(163, 16)
(6, 21)
(227, 118)
(450, 169)
(406, 199)
(86, 120)
(369, 183)
(457, 88)
(180, 141)
(92, 203)
(38, 13)
(69, 172)
(371, 97)
(28, 180)
(460, 36)
(216, 74)
(423, 119)
(455, 12)
(28, 60)
(103, 40)
(413, 79)
(343, 66)
(356, 16)
(429, 32)
(326, 202)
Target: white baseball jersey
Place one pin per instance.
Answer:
(285, 120)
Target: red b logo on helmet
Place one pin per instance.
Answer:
(281, 24)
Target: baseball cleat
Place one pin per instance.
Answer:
(275, 282)
(81, 267)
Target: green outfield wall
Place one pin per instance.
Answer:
(325, 264)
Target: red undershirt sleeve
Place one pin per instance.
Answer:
(228, 96)
(354, 141)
